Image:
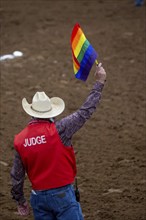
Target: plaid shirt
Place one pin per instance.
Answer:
(66, 127)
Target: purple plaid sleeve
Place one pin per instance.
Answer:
(17, 177)
(71, 124)
(66, 127)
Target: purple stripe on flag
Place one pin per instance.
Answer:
(86, 64)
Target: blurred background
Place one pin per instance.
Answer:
(111, 147)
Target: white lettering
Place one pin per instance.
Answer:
(25, 144)
(43, 139)
(38, 140)
(34, 141)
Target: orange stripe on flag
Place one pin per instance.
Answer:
(76, 39)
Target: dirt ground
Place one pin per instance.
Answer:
(111, 147)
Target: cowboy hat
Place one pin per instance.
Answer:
(42, 106)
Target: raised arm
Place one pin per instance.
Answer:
(72, 123)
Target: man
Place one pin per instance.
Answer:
(45, 152)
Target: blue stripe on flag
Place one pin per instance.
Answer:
(86, 64)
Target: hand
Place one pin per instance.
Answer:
(23, 209)
(100, 73)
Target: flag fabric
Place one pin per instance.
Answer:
(83, 54)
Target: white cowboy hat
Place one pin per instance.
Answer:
(43, 107)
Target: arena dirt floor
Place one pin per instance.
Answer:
(111, 147)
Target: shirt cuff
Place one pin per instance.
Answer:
(98, 86)
(21, 201)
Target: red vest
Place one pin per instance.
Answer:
(48, 163)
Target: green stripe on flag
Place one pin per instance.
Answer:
(83, 50)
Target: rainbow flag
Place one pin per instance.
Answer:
(83, 54)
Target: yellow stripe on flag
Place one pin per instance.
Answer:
(78, 42)
(79, 45)
(75, 68)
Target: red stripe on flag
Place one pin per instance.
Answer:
(74, 32)
(76, 39)
(75, 60)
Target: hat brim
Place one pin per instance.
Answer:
(57, 105)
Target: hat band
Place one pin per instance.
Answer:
(41, 111)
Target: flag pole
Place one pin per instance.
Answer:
(96, 62)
